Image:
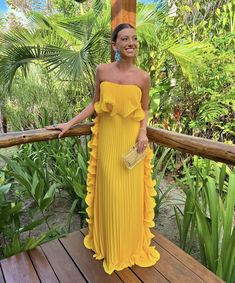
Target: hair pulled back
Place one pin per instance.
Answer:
(119, 28)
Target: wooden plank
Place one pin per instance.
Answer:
(89, 266)
(173, 269)
(64, 258)
(61, 263)
(146, 274)
(126, 275)
(18, 269)
(42, 266)
(1, 275)
(149, 274)
(196, 267)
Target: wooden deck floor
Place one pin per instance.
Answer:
(67, 260)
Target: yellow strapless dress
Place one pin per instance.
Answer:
(120, 201)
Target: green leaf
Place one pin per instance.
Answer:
(5, 188)
(23, 180)
(228, 216)
(16, 208)
(16, 243)
(222, 177)
(51, 192)
(32, 242)
(205, 237)
(32, 225)
(213, 207)
(39, 191)
(35, 182)
(229, 262)
(179, 224)
(70, 214)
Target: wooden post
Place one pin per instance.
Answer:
(122, 11)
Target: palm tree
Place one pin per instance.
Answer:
(73, 47)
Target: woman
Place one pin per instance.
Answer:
(120, 201)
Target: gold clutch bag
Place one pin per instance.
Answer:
(132, 157)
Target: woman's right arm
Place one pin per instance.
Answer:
(85, 113)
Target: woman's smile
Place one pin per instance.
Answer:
(130, 49)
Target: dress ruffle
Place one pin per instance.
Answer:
(91, 183)
(131, 111)
(148, 256)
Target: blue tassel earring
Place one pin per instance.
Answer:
(117, 55)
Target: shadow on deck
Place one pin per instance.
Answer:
(67, 260)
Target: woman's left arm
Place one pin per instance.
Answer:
(142, 136)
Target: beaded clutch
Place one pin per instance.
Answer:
(132, 157)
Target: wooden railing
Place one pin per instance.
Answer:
(198, 146)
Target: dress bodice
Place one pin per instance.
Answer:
(120, 99)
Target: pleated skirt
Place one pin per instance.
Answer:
(120, 201)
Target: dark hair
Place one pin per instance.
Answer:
(119, 28)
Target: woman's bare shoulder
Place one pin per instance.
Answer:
(142, 73)
(104, 67)
(142, 76)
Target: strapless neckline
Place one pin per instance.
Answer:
(121, 84)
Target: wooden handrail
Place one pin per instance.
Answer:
(210, 149)
(198, 146)
(29, 136)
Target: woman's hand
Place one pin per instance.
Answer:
(142, 141)
(62, 127)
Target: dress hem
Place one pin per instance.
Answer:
(136, 259)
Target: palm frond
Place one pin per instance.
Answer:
(70, 47)
(191, 57)
(72, 64)
(22, 36)
(147, 23)
(15, 57)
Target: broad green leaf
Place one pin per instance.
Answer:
(32, 225)
(5, 188)
(205, 236)
(228, 215)
(213, 207)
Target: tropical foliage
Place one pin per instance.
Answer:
(48, 58)
(208, 215)
(30, 182)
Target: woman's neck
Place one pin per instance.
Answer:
(125, 65)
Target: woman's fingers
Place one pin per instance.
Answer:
(142, 146)
(62, 133)
(52, 128)
(139, 148)
(62, 127)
